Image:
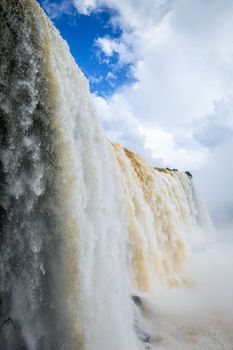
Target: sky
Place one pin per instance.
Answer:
(161, 78)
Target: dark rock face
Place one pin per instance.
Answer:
(137, 300)
(142, 335)
(29, 220)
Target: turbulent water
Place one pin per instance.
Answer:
(92, 237)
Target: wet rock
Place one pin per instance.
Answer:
(137, 300)
(142, 335)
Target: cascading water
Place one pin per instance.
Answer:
(64, 277)
(161, 216)
(86, 226)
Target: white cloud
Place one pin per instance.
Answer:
(215, 182)
(56, 10)
(132, 13)
(181, 61)
(110, 76)
(115, 46)
(95, 79)
(217, 128)
(85, 7)
(162, 144)
(107, 45)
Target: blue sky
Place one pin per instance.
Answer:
(81, 33)
(161, 79)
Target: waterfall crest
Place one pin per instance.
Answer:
(83, 224)
(161, 215)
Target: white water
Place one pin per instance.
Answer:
(84, 224)
(84, 252)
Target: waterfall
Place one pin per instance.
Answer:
(161, 215)
(86, 226)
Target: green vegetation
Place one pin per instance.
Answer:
(171, 169)
(188, 174)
